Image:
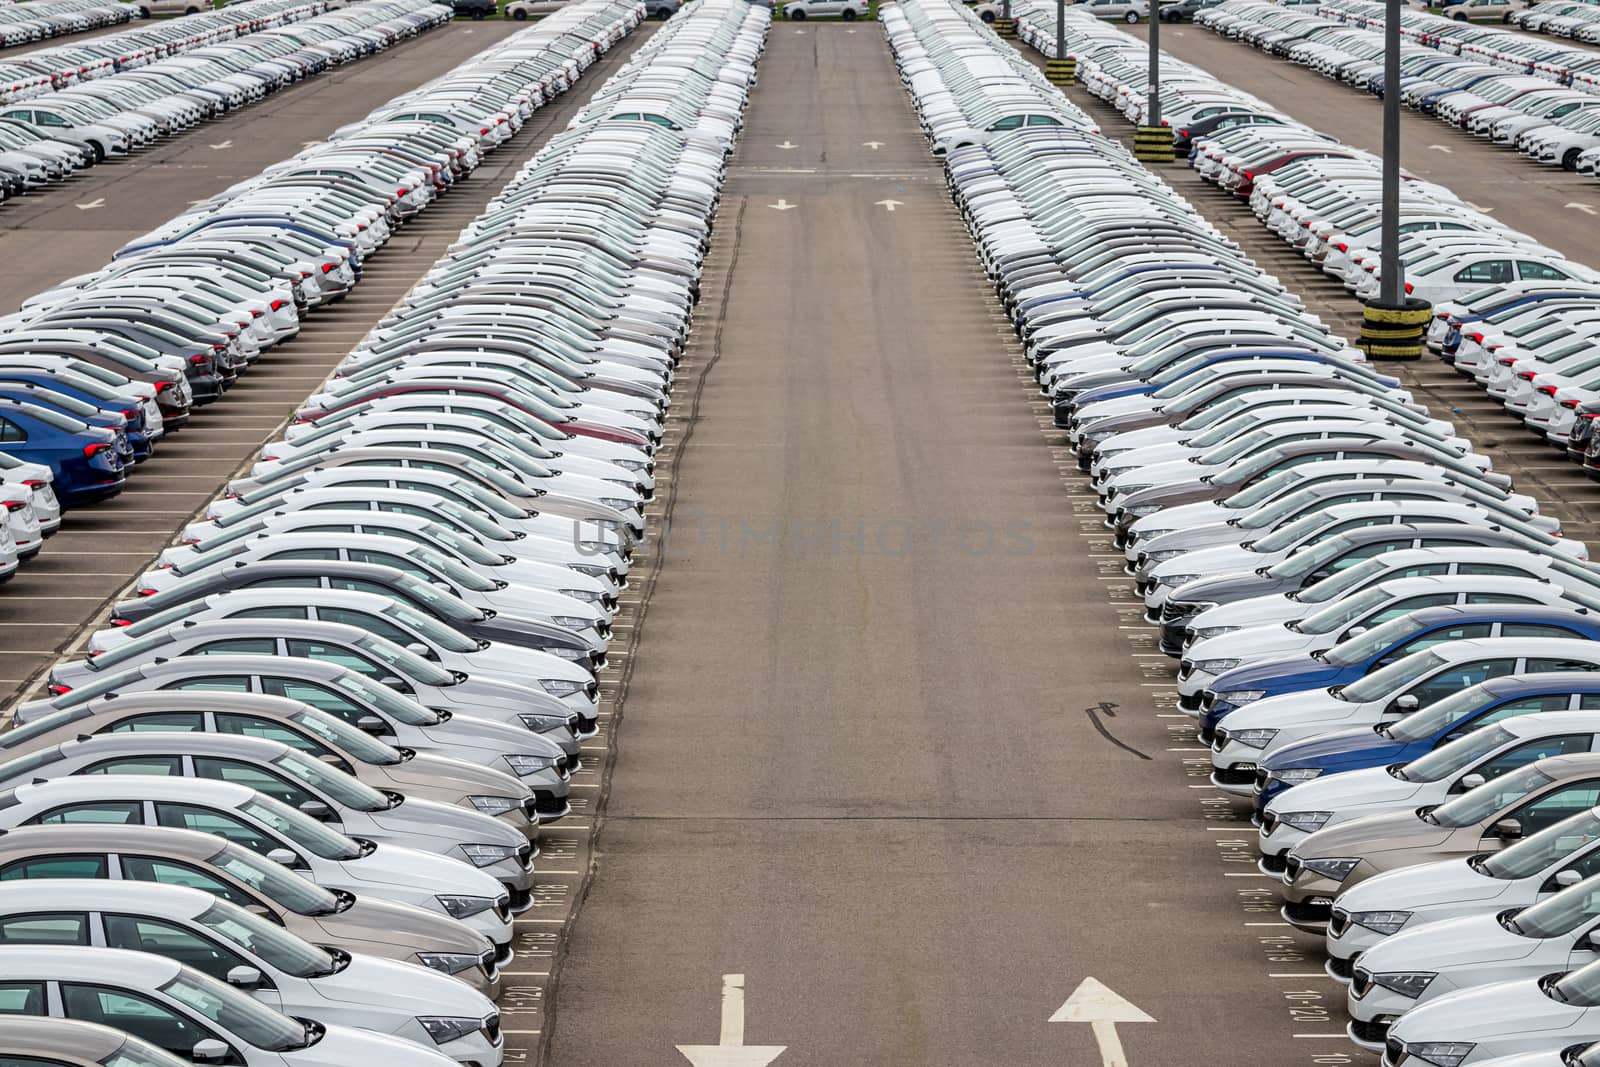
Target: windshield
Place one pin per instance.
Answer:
(135, 1053)
(240, 1016)
(1449, 758)
(1478, 804)
(388, 701)
(358, 743)
(300, 828)
(447, 605)
(1535, 853)
(1341, 613)
(465, 547)
(275, 882)
(1312, 559)
(1581, 987)
(461, 576)
(349, 791)
(1269, 516)
(272, 944)
(1285, 537)
(472, 520)
(1233, 449)
(1441, 714)
(445, 637)
(404, 662)
(1335, 586)
(1266, 489)
(1362, 648)
(1246, 469)
(1394, 677)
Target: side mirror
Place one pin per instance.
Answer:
(210, 1050)
(1406, 703)
(1354, 631)
(371, 724)
(317, 810)
(284, 856)
(1591, 940)
(331, 759)
(1509, 829)
(1472, 781)
(244, 977)
(417, 648)
(1571, 877)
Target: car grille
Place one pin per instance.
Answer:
(490, 965)
(1339, 923)
(1269, 822)
(1173, 610)
(1302, 911)
(491, 1027)
(1276, 862)
(521, 898)
(525, 856)
(1243, 774)
(502, 907)
(1207, 735)
(592, 689)
(1189, 701)
(1394, 1052)
(1263, 776)
(1342, 967)
(530, 807)
(1291, 868)
(1360, 983)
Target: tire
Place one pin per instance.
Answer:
(520, 15)
(1570, 160)
(99, 151)
(987, 17)
(1131, 17)
(849, 14)
(144, 12)
(477, 16)
(794, 16)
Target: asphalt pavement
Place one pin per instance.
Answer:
(897, 766)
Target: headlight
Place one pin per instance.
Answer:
(1381, 922)
(1441, 1053)
(495, 805)
(448, 962)
(540, 723)
(461, 907)
(593, 570)
(568, 653)
(1336, 870)
(1101, 435)
(1308, 821)
(1216, 666)
(1165, 554)
(1237, 697)
(443, 1028)
(1214, 631)
(1253, 738)
(484, 855)
(572, 622)
(588, 596)
(630, 464)
(1176, 580)
(1143, 510)
(1293, 775)
(523, 766)
(594, 548)
(559, 688)
(1406, 983)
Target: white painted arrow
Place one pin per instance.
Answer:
(783, 205)
(890, 205)
(730, 1049)
(1478, 207)
(1441, 148)
(224, 144)
(787, 145)
(91, 205)
(874, 145)
(1585, 208)
(1102, 1009)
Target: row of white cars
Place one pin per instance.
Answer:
(41, 19)
(314, 746)
(1390, 651)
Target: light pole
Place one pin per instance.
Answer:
(1152, 142)
(1392, 326)
(1005, 25)
(1060, 68)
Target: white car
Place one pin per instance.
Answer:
(1258, 729)
(1474, 1026)
(301, 843)
(255, 956)
(187, 1013)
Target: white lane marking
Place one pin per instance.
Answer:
(224, 144)
(1441, 148)
(91, 205)
(783, 205)
(1585, 208)
(787, 145)
(730, 1049)
(890, 205)
(874, 145)
(1093, 1003)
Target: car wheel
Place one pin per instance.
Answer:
(520, 15)
(99, 151)
(849, 14)
(144, 12)
(987, 16)
(191, 11)
(797, 16)
(477, 16)
(1570, 160)
(1130, 18)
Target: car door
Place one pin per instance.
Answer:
(245, 725)
(1509, 710)
(139, 933)
(45, 928)
(137, 868)
(1452, 679)
(1431, 638)
(87, 865)
(138, 1015)
(1519, 756)
(1545, 811)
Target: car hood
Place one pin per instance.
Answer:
(1292, 709)
(1488, 1012)
(405, 988)
(1224, 588)
(1423, 885)
(396, 865)
(1252, 644)
(342, 1044)
(1373, 835)
(448, 776)
(1360, 748)
(429, 818)
(392, 924)
(1468, 940)
(1284, 674)
(1368, 789)
(501, 738)
(1215, 559)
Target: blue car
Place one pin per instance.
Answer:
(114, 421)
(81, 387)
(85, 458)
(1382, 645)
(1425, 730)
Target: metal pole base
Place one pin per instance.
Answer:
(1006, 28)
(1394, 332)
(1061, 71)
(1153, 144)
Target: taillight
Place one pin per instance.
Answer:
(1547, 390)
(35, 483)
(1506, 361)
(278, 305)
(327, 268)
(146, 592)
(59, 690)
(1341, 246)
(91, 451)
(1475, 338)
(1526, 375)
(121, 622)
(16, 505)
(199, 359)
(402, 191)
(1568, 403)
(131, 414)
(1408, 289)
(162, 387)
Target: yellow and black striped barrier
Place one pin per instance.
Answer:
(1153, 144)
(1394, 333)
(1061, 71)
(1006, 28)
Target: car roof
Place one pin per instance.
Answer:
(130, 787)
(144, 898)
(99, 965)
(188, 844)
(26, 1035)
(1554, 681)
